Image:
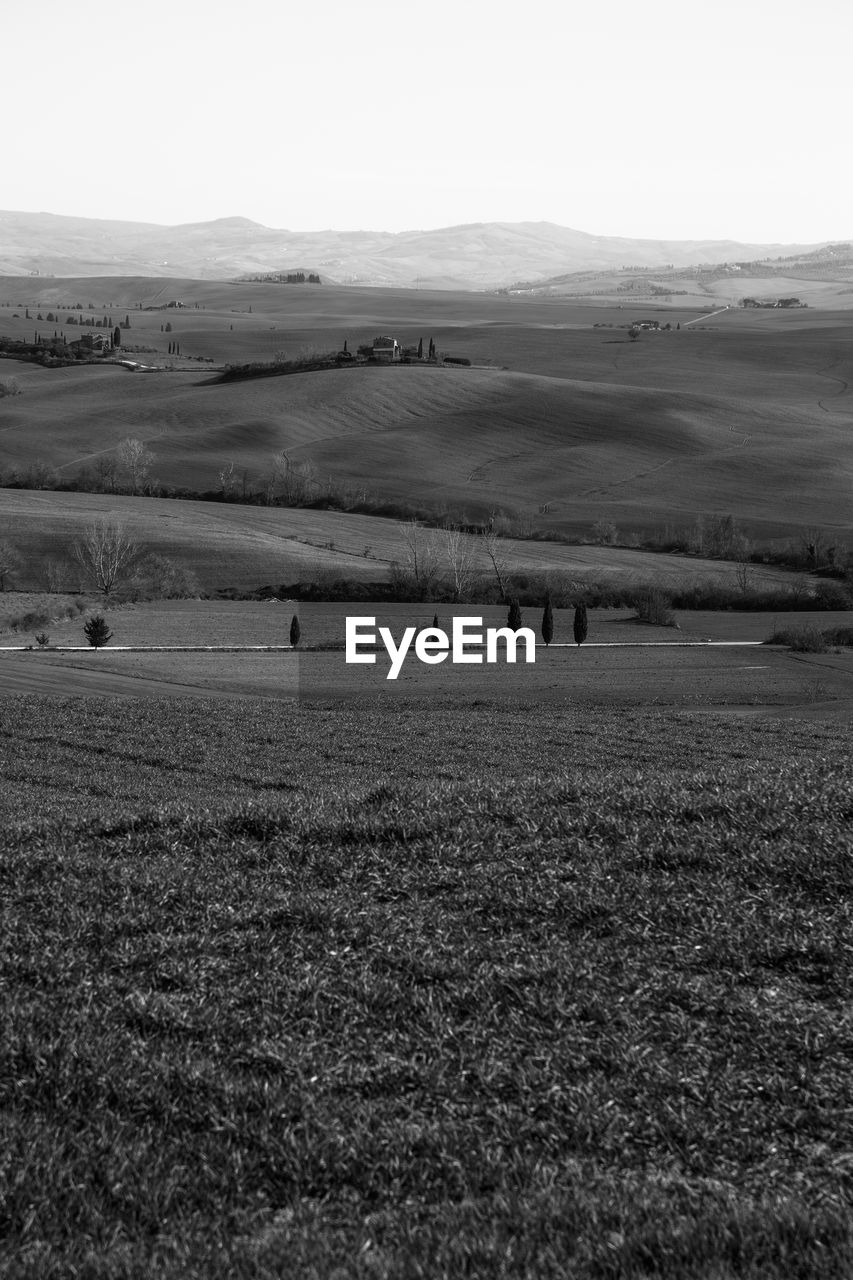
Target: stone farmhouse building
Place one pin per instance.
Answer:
(386, 349)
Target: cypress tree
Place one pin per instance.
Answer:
(581, 625)
(116, 336)
(435, 621)
(548, 620)
(514, 619)
(294, 631)
(420, 348)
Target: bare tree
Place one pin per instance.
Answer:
(459, 549)
(226, 480)
(135, 458)
(743, 577)
(10, 563)
(421, 558)
(55, 574)
(276, 476)
(492, 541)
(300, 481)
(605, 533)
(106, 554)
(105, 468)
(813, 544)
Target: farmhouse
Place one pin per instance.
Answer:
(385, 348)
(93, 342)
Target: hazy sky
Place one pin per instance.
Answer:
(656, 118)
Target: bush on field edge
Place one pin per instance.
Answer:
(810, 639)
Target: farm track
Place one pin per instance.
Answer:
(845, 386)
(643, 475)
(287, 648)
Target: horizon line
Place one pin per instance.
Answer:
(451, 226)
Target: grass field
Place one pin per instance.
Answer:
(249, 622)
(232, 545)
(571, 416)
(528, 994)
(533, 971)
(636, 667)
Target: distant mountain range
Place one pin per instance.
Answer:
(480, 255)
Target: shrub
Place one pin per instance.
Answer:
(97, 632)
(832, 595)
(42, 639)
(28, 621)
(842, 636)
(800, 639)
(654, 606)
(605, 533)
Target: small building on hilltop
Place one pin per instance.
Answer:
(93, 342)
(386, 349)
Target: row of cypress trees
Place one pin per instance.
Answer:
(98, 633)
(581, 624)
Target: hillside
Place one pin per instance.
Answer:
(472, 256)
(641, 434)
(822, 278)
(231, 545)
(560, 422)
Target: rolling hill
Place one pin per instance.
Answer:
(561, 421)
(644, 434)
(471, 256)
(231, 545)
(822, 277)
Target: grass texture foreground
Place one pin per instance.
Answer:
(579, 1009)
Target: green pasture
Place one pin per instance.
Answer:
(359, 991)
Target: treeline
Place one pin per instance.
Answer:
(651, 601)
(318, 361)
(102, 559)
(278, 368)
(280, 277)
(51, 352)
(128, 471)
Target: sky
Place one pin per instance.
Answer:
(722, 119)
